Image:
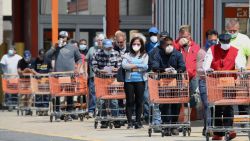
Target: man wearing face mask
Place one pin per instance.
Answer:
(104, 60)
(241, 42)
(67, 58)
(9, 66)
(167, 59)
(25, 66)
(211, 40)
(189, 50)
(232, 59)
(120, 43)
(89, 57)
(153, 42)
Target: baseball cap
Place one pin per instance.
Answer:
(107, 43)
(225, 38)
(26, 54)
(164, 34)
(64, 34)
(153, 30)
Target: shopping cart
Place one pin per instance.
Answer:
(26, 94)
(10, 89)
(109, 90)
(166, 88)
(42, 94)
(67, 84)
(228, 88)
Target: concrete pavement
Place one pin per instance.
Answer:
(40, 126)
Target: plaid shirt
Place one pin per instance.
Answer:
(100, 60)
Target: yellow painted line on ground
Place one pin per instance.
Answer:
(54, 135)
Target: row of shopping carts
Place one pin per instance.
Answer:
(223, 88)
(38, 92)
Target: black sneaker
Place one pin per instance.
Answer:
(138, 125)
(104, 124)
(130, 126)
(204, 132)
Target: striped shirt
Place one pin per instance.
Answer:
(101, 60)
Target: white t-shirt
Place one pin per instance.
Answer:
(9, 63)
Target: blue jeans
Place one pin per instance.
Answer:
(109, 104)
(146, 101)
(156, 119)
(92, 96)
(193, 85)
(203, 94)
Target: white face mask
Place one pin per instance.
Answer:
(225, 46)
(136, 48)
(61, 43)
(82, 47)
(169, 49)
(153, 39)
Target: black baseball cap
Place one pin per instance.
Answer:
(225, 38)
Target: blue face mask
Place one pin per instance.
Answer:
(10, 52)
(210, 43)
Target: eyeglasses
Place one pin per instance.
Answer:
(120, 42)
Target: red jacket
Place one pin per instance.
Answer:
(189, 57)
(223, 59)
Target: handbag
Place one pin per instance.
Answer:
(120, 77)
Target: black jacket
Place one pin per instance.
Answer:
(159, 60)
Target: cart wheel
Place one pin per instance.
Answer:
(184, 131)
(189, 131)
(227, 137)
(117, 124)
(22, 112)
(207, 136)
(37, 113)
(45, 113)
(51, 118)
(96, 124)
(65, 118)
(10, 108)
(31, 113)
(81, 117)
(162, 133)
(149, 132)
(17, 112)
(110, 125)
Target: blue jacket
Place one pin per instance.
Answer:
(159, 60)
(150, 46)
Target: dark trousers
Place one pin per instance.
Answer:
(226, 121)
(134, 98)
(69, 103)
(170, 112)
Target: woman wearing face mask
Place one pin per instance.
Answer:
(136, 64)
(83, 50)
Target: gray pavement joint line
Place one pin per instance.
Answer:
(53, 135)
